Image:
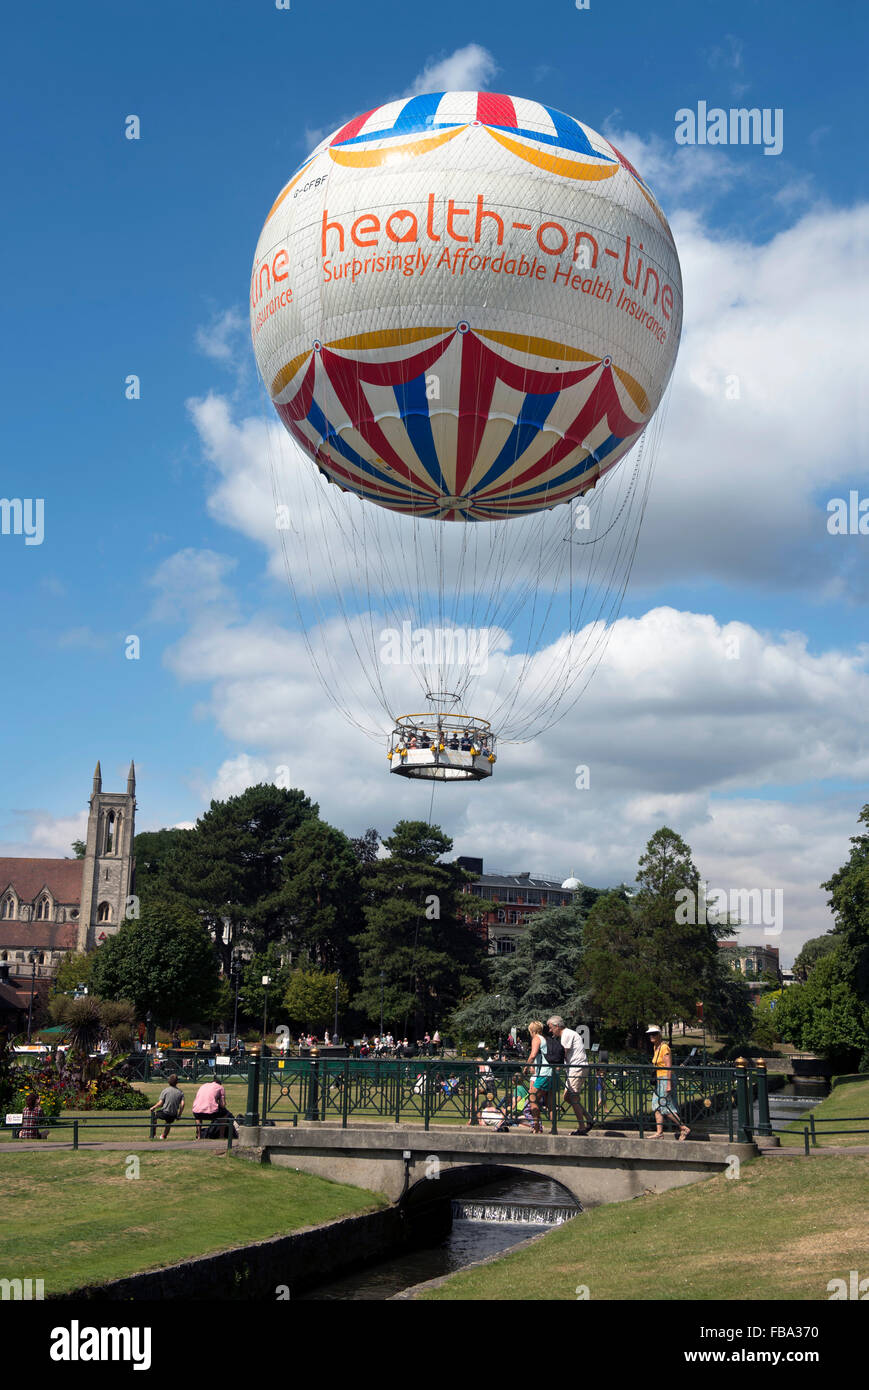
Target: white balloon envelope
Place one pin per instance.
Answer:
(466, 307)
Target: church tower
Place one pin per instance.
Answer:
(107, 877)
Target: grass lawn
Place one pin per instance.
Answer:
(782, 1230)
(852, 1099)
(76, 1218)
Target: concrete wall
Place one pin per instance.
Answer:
(258, 1271)
(593, 1170)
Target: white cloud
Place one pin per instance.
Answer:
(35, 834)
(674, 729)
(190, 580)
(466, 70)
(223, 337)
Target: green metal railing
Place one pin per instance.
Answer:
(810, 1133)
(150, 1123)
(435, 1092)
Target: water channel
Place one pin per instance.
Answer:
(486, 1220)
(794, 1101)
(502, 1213)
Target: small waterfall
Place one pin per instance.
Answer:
(514, 1212)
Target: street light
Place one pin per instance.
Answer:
(335, 1029)
(32, 958)
(235, 972)
(267, 979)
(381, 1005)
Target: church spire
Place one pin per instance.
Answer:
(98, 779)
(131, 780)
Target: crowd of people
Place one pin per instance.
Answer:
(385, 1045)
(558, 1051)
(468, 740)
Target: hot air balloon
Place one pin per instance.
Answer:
(465, 309)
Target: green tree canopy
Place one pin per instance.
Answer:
(229, 868)
(322, 897)
(414, 934)
(74, 970)
(540, 978)
(164, 962)
(825, 1015)
(849, 900)
(813, 951)
(310, 1000)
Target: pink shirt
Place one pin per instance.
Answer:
(209, 1098)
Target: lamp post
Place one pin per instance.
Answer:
(498, 1002)
(235, 972)
(149, 1019)
(32, 959)
(267, 979)
(381, 1005)
(337, 985)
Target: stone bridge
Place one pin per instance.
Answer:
(410, 1164)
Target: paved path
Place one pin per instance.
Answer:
(799, 1152)
(171, 1146)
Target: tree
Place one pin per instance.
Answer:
(252, 994)
(622, 991)
(310, 999)
(541, 977)
(154, 852)
(813, 951)
(74, 970)
(679, 953)
(429, 957)
(229, 868)
(825, 1015)
(79, 849)
(164, 961)
(849, 900)
(322, 897)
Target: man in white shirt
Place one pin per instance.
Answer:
(576, 1064)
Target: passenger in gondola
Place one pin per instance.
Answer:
(412, 743)
(454, 743)
(466, 742)
(425, 741)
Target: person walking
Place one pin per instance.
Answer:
(541, 1074)
(662, 1061)
(170, 1106)
(576, 1069)
(209, 1100)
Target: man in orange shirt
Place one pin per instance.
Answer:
(662, 1060)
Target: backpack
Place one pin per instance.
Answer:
(554, 1051)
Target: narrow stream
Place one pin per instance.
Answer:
(793, 1101)
(486, 1220)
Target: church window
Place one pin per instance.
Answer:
(104, 913)
(110, 832)
(43, 910)
(8, 907)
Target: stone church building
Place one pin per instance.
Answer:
(51, 906)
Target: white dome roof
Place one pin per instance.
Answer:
(572, 883)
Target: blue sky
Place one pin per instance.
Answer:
(127, 257)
